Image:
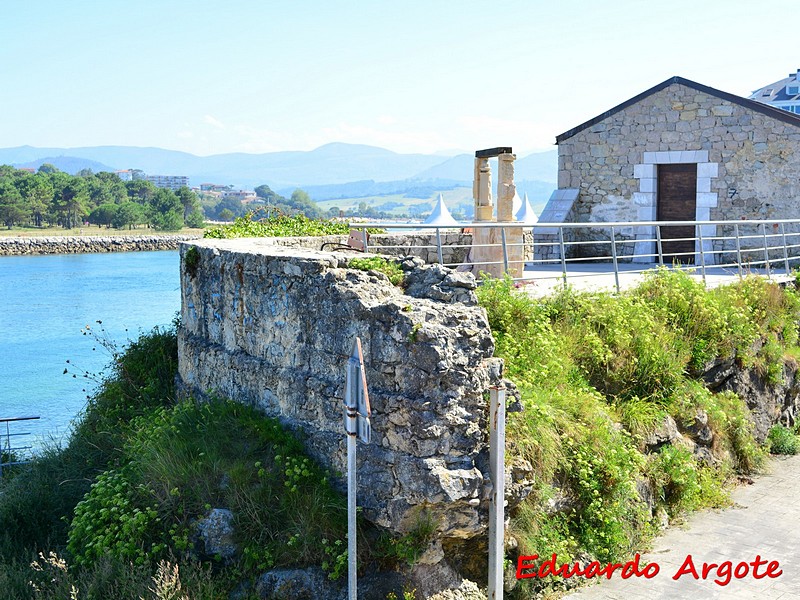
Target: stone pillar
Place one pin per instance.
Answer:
(487, 250)
(482, 189)
(505, 187)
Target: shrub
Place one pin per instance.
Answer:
(782, 440)
(277, 226)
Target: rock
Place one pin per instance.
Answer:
(664, 433)
(468, 590)
(215, 533)
(699, 430)
(297, 584)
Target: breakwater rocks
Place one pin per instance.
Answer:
(14, 246)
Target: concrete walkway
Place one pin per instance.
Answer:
(599, 276)
(764, 521)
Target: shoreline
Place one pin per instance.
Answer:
(32, 245)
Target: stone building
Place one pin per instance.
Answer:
(678, 151)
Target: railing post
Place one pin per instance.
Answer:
(785, 251)
(439, 246)
(738, 249)
(766, 249)
(366, 242)
(614, 257)
(505, 249)
(658, 244)
(563, 258)
(497, 446)
(702, 254)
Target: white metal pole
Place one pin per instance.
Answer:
(352, 577)
(497, 445)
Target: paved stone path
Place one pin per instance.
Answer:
(599, 276)
(764, 521)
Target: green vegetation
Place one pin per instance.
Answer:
(113, 513)
(119, 503)
(782, 440)
(230, 207)
(390, 268)
(276, 226)
(586, 363)
(51, 197)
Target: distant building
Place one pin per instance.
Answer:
(214, 187)
(783, 94)
(126, 175)
(170, 182)
(244, 196)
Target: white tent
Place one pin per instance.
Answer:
(525, 214)
(441, 216)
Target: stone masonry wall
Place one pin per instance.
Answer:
(273, 327)
(750, 165)
(14, 246)
(455, 245)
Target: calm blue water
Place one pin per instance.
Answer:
(46, 301)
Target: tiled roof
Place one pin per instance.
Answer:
(771, 111)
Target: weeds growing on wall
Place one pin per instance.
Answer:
(277, 226)
(390, 268)
(587, 363)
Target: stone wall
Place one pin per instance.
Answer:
(13, 246)
(273, 327)
(422, 244)
(748, 162)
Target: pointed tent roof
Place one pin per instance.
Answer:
(441, 216)
(516, 203)
(525, 214)
(770, 111)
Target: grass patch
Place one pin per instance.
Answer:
(390, 268)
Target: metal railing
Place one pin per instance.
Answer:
(563, 250)
(9, 454)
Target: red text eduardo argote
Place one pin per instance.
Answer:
(529, 567)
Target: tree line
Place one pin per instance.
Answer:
(51, 197)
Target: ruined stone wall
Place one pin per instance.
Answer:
(422, 244)
(273, 326)
(748, 162)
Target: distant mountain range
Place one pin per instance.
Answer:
(331, 171)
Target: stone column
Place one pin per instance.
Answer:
(505, 187)
(482, 189)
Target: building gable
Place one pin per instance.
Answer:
(765, 109)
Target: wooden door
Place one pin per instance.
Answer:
(677, 201)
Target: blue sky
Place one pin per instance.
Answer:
(210, 77)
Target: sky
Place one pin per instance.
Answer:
(428, 76)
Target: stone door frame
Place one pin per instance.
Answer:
(646, 198)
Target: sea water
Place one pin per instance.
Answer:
(46, 303)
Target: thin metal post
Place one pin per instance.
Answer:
(785, 251)
(563, 258)
(614, 257)
(352, 577)
(439, 246)
(366, 239)
(766, 250)
(702, 254)
(738, 249)
(505, 249)
(497, 445)
(658, 244)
